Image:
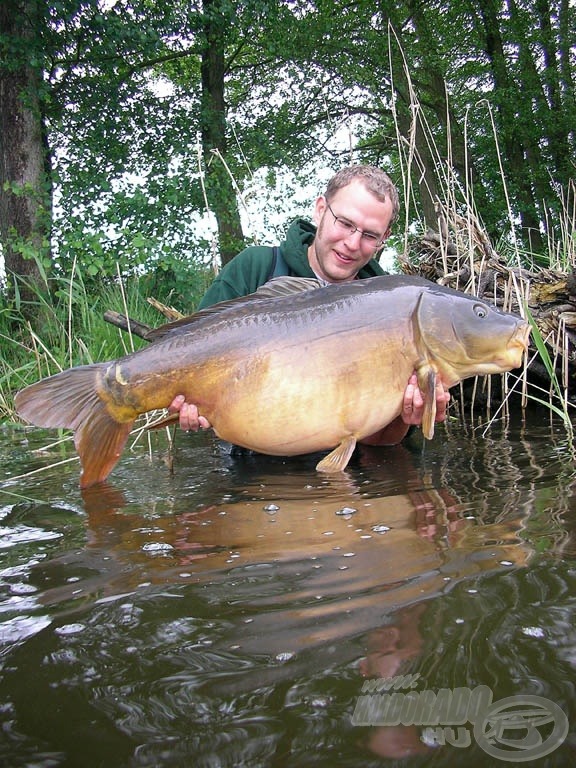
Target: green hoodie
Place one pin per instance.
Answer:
(254, 266)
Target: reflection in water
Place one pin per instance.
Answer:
(345, 552)
(228, 613)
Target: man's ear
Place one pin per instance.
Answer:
(319, 208)
(383, 243)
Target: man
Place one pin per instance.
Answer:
(352, 221)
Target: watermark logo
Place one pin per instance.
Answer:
(517, 729)
(521, 728)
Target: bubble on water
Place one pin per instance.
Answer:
(285, 656)
(533, 631)
(380, 528)
(346, 511)
(157, 547)
(320, 702)
(22, 589)
(70, 629)
(271, 508)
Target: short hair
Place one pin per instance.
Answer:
(374, 179)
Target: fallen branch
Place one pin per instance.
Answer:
(127, 324)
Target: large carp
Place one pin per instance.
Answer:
(288, 370)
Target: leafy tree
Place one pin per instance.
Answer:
(148, 114)
(25, 202)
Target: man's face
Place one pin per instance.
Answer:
(337, 255)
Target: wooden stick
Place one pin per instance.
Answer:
(127, 324)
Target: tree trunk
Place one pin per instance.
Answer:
(517, 153)
(25, 197)
(219, 185)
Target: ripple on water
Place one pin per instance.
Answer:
(19, 628)
(242, 642)
(24, 534)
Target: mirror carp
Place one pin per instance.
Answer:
(294, 368)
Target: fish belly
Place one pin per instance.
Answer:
(295, 401)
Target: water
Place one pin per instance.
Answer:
(205, 610)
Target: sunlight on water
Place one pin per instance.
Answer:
(228, 611)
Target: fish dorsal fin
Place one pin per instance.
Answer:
(284, 286)
(279, 286)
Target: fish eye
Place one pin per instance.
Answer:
(480, 310)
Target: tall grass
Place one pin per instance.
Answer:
(73, 330)
(460, 222)
(556, 389)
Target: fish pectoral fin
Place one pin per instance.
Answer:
(428, 388)
(337, 460)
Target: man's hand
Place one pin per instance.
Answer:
(188, 417)
(413, 405)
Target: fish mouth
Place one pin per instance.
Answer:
(518, 345)
(521, 337)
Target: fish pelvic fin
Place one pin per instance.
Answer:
(71, 400)
(427, 384)
(338, 459)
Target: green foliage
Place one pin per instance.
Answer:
(176, 282)
(561, 410)
(74, 331)
(475, 100)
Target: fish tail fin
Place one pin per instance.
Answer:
(70, 400)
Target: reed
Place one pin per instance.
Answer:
(74, 331)
(455, 250)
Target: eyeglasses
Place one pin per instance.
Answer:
(346, 227)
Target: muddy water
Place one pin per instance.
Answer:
(209, 610)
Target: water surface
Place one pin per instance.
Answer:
(208, 610)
